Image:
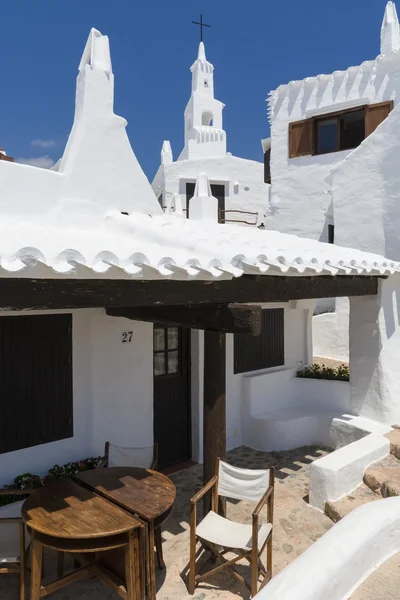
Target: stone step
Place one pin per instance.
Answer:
(391, 488)
(387, 469)
(394, 439)
(337, 510)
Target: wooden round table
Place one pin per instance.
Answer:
(69, 518)
(146, 494)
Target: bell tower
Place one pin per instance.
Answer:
(204, 136)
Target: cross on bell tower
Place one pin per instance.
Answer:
(201, 24)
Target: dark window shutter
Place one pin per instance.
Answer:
(35, 380)
(301, 138)
(252, 353)
(267, 166)
(375, 114)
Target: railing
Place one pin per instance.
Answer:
(223, 219)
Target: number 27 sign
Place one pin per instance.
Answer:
(127, 337)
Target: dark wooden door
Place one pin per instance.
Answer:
(217, 190)
(172, 424)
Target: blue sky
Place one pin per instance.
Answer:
(254, 46)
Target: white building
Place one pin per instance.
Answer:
(72, 223)
(321, 128)
(100, 296)
(236, 182)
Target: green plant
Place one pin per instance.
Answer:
(316, 371)
(33, 482)
(72, 468)
(27, 481)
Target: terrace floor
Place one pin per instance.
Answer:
(296, 527)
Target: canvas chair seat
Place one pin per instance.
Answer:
(9, 533)
(229, 534)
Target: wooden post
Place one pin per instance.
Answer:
(214, 432)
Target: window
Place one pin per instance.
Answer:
(343, 132)
(166, 351)
(207, 119)
(35, 380)
(252, 353)
(267, 166)
(338, 131)
(331, 234)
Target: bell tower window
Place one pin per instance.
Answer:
(207, 119)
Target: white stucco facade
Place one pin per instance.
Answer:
(67, 224)
(353, 190)
(112, 393)
(299, 200)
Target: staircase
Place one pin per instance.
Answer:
(381, 480)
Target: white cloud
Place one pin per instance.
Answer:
(45, 162)
(39, 143)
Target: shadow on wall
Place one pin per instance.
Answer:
(391, 311)
(373, 356)
(302, 93)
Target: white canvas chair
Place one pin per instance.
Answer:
(144, 458)
(13, 543)
(119, 456)
(222, 536)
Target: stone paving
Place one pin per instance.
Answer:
(296, 527)
(382, 584)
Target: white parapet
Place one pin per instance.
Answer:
(336, 565)
(336, 475)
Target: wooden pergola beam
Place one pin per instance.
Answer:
(21, 293)
(227, 318)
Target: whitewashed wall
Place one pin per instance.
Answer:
(112, 393)
(374, 353)
(364, 190)
(331, 332)
(267, 388)
(122, 381)
(243, 179)
(299, 203)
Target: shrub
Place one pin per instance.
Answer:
(71, 469)
(315, 371)
(33, 482)
(27, 481)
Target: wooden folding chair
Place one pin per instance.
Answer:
(13, 547)
(222, 536)
(145, 458)
(119, 456)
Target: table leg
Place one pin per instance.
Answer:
(142, 562)
(131, 558)
(36, 574)
(152, 566)
(22, 560)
